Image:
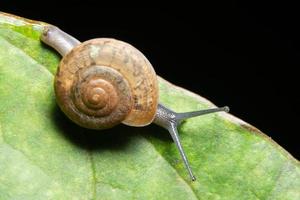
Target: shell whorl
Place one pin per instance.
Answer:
(103, 82)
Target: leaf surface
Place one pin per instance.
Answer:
(45, 156)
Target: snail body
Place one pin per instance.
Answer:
(104, 82)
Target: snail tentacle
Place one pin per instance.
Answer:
(170, 120)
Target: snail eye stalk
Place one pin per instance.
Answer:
(170, 120)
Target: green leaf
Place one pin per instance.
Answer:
(45, 156)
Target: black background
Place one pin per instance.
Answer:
(244, 55)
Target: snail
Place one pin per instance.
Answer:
(104, 82)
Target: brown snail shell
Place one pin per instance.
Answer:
(103, 82)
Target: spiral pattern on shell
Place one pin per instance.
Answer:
(103, 82)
